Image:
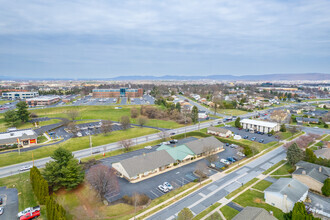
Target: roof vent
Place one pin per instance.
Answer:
(303, 172)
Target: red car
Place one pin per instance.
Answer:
(30, 215)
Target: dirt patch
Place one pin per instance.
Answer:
(258, 200)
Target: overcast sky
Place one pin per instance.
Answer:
(94, 39)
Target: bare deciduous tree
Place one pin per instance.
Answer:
(134, 112)
(72, 114)
(201, 170)
(163, 135)
(106, 126)
(104, 180)
(125, 122)
(126, 144)
(142, 120)
(73, 128)
(209, 154)
(292, 130)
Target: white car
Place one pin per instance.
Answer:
(240, 154)
(162, 188)
(167, 185)
(24, 168)
(225, 161)
(79, 134)
(148, 147)
(166, 143)
(1, 210)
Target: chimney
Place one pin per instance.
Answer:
(303, 172)
(320, 169)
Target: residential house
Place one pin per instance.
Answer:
(285, 192)
(312, 175)
(202, 115)
(280, 116)
(305, 120)
(254, 213)
(219, 131)
(323, 153)
(324, 105)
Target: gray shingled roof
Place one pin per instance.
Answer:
(254, 213)
(290, 187)
(147, 162)
(218, 129)
(323, 153)
(312, 170)
(198, 146)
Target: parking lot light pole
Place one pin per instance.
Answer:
(90, 144)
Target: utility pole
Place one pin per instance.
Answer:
(32, 159)
(185, 125)
(90, 144)
(18, 146)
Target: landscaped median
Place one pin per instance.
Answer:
(73, 144)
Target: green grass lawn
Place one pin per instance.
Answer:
(233, 193)
(214, 216)
(285, 135)
(273, 167)
(4, 101)
(256, 199)
(42, 139)
(229, 212)
(284, 170)
(233, 112)
(262, 185)
(73, 144)
(206, 211)
(4, 127)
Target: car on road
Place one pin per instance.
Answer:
(261, 141)
(79, 134)
(148, 147)
(224, 161)
(24, 168)
(227, 144)
(253, 138)
(96, 152)
(172, 133)
(246, 137)
(1, 210)
(231, 159)
(168, 185)
(162, 188)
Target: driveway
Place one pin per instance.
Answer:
(242, 133)
(10, 203)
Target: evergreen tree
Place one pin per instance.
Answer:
(194, 114)
(238, 122)
(178, 106)
(283, 128)
(22, 112)
(11, 118)
(310, 156)
(326, 187)
(294, 154)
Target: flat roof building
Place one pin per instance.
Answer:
(13, 136)
(262, 126)
(42, 100)
(19, 95)
(122, 92)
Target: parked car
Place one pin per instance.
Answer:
(167, 185)
(227, 144)
(1, 210)
(148, 147)
(231, 159)
(27, 210)
(166, 143)
(234, 146)
(224, 161)
(240, 154)
(262, 133)
(240, 128)
(261, 141)
(247, 130)
(30, 215)
(162, 188)
(24, 168)
(253, 138)
(1, 201)
(173, 133)
(246, 137)
(269, 134)
(79, 134)
(174, 141)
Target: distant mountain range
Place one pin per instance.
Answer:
(265, 77)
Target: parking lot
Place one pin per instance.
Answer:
(177, 177)
(242, 133)
(10, 203)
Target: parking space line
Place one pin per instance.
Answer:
(154, 193)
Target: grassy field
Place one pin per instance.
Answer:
(229, 212)
(73, 144)
(284, 170)
(256, 199)
(4, 127)
(262, 185)
(4, 101)
(102, 112)
(233, 112)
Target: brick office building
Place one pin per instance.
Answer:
(122, 92)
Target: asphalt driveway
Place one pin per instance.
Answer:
(242, 133)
